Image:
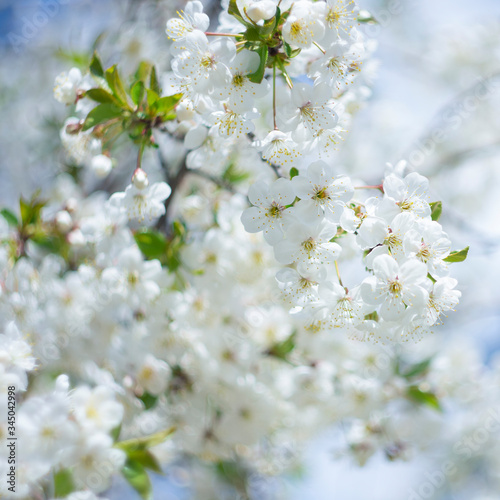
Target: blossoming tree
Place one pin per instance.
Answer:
(235, 292)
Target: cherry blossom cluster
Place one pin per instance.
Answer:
(145, 322)
(308, 221)
(239, 81)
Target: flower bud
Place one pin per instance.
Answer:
(140, 179)
(76, 238)
(261, 11)
(101, 165)
(64, 222)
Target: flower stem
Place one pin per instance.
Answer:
(338, 274)
(139, 156)
(211, 33)
(378, 186)
(320, 47)
(274, 96)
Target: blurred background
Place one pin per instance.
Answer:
(435, 102)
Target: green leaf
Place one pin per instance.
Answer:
(372, 316)
(101, 114)
(143, 72)
(149, 400)
(365, 17)
(282, 349)
(165, 105)
(458, 256)
(116, 85)
(146, 459)
(138, 478)
(252, 34)
(63, 483)
(96, 66)
(115, 432)
(258, 75)
(293, 172)
(151, 243)
(289, 51)
(233, 473)
(100, 95)
(146, 442)
(417, 369)
(423, 397)
(9, 217)
(436, 209)
(30, 210)
(152, 97)
(154, 84)
(137, 92)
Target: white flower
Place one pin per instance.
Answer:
(430, 245)
(321, 193)
(269, 210)
(310, 110)
(229, 123)
(300, 288)
(239, 91)
(395, 288)
(343, 308)
(96, 408)
(443, 297)
(279, 148)
(153, 375)
(191, 18)
(340, 15)
(308, 245)
(143, 205)
(303, 25)
(66, 86)
(334, 66)
(405, 195)
(203, 64)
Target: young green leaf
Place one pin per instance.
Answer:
(116, 85)
(458, 256)
(146, 459)
(100, 95)
(146, 442)
(9, 217)
(152, 97)
(436, 209)
(138, 92)
(138, 478)
(164, 105)
(258, 75)
(282, 349)
(149, 400)
(63, 483)
(423, 397)
(154, 84)
(101, 114)
(96, 66)
(417, 369)
(151, 243)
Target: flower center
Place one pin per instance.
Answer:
(238, 80)
(296, 29)
(274, 210)
(395, 287)
(308, 245)
(321, 194)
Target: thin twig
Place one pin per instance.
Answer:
(216, 180)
